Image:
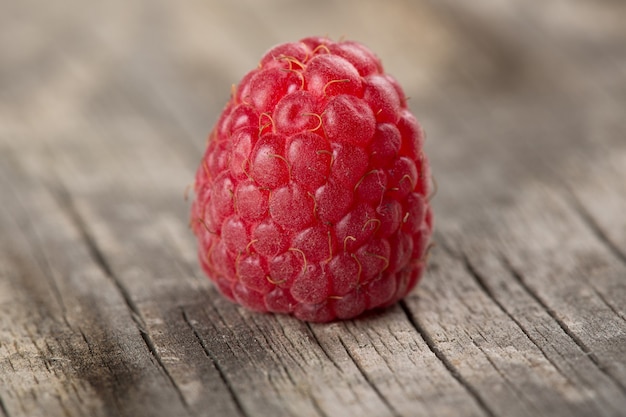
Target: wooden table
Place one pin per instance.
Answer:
(104, 110)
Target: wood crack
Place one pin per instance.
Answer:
(590, 222)
(520, 279)
(480, 280)
(595, 228)
(218, 367)
(519, 395)
(3, 407)
(276, 354)
(367, 379)
(287, 369)
(89, 347)
(42, 258)
(317, 407)
(322, 347)
(607, 303)
(98, 257)
(445, 361)
(42, 356)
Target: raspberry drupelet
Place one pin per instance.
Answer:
(311, 198)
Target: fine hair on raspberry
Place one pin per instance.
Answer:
(312, 196)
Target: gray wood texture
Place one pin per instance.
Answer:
(104, 110)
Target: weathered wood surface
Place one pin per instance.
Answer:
(104, 107)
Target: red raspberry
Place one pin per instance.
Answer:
(311, 198)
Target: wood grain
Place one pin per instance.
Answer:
(104, 110)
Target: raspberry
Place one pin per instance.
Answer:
(312, 195)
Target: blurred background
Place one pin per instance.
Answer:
(498, 84)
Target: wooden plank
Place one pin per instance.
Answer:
(578, 161)
(571, 270)
(588, 386)
(490, 352)
(154, 284)
(74, 348)
(397, 361)
(103, 310)
(596, 194)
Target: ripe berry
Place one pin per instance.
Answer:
(312, 195)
